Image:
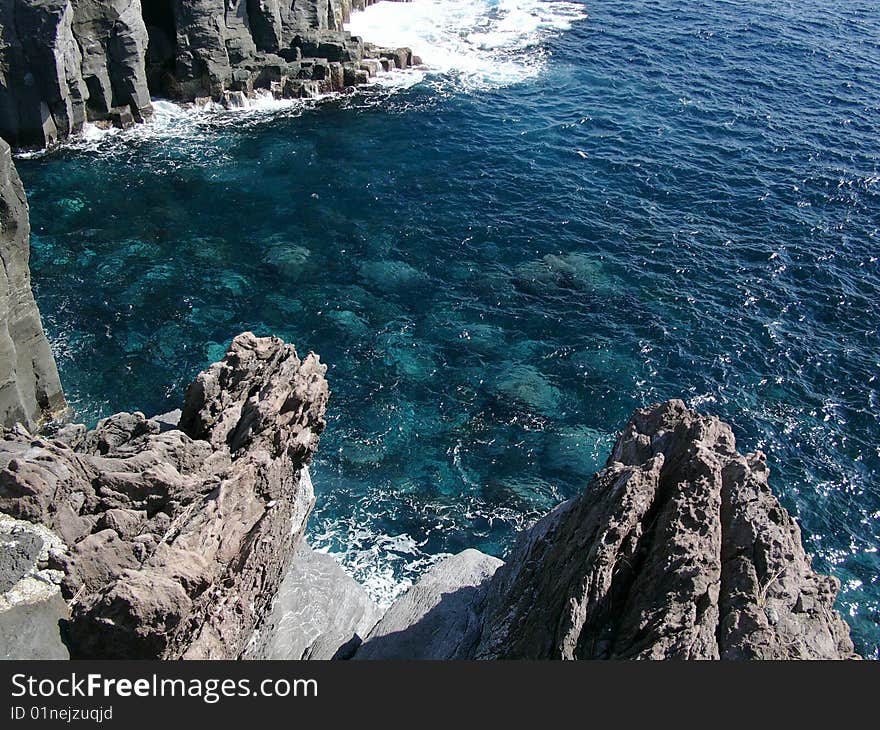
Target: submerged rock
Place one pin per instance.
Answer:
(676, 550)
(178, 539)
(571, 271)
(524, 386)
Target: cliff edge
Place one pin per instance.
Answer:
(30, 390)
(176, 540)
(677, 549)
(67, 62)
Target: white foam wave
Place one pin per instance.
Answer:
(481, 44)
(385, 565)
(178, 123)
(471, 44)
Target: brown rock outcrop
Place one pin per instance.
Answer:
(677, 549)
(178, 539)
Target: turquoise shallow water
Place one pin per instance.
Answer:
(501, 260)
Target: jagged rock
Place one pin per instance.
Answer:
(31, 606)
(63, 62)
(113, 39)
(402, 57)
(30, 390)
(319, 612)
(178, 538)
(677, 550)
(168, 420)
(203, 45)
(438, 617)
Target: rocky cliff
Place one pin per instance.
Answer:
(176, 539)
(66, 62)
(63, 62)
(30, 391)
(184, 541)
(676, 550)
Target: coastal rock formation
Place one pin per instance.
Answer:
(676, 550)
(224, 50)
(177, 539)
(65, 62)
(319, 612)
(30, 390)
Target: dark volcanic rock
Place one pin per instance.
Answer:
(676, 550)
(63, 62)
(18, 554)
(66, 62)
(30, 391)
(178, 539)
(207, 48)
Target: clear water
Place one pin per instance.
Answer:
(564, 218)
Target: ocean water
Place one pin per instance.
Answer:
(573, 211)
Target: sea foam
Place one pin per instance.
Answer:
(478, 44)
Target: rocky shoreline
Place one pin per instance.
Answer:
(64, 63)
(181, 536)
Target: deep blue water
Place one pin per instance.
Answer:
(667, 199)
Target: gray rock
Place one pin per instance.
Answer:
(179, 538)
(168, 420)
(30, 629)
(438, 617)
(63, 62)
(319, 613)
(18, 555)
(30, 390)
(113, 39)
(31, 606)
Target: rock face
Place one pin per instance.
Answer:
(30, 391)
(178, 539)
(319, 612)
(31, 606)
(676, 550)
(438, 618)
(65, 62)
(226, 49)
